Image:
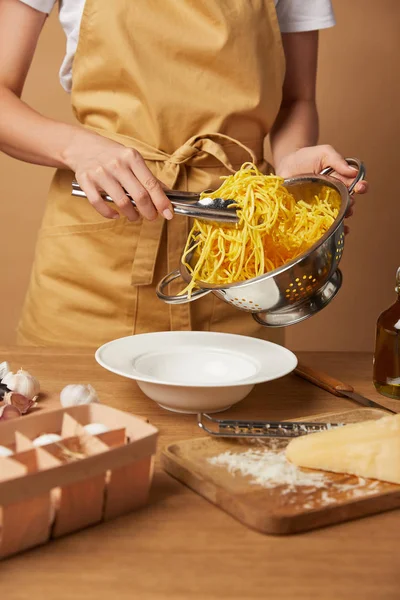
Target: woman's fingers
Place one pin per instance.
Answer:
(350, 210)
(344, 171)
(362, 187)
(331, 158)
(151, 185)
(141, 197)
(102, 165)
(114, 189)
(95, 199)
(129, 172)
(130, 183)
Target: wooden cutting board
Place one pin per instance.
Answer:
(281, 509)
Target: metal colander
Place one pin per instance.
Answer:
(300, 288)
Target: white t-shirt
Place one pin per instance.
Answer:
(293, 15)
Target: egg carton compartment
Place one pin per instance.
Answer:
(75, 481)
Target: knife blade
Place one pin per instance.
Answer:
(337, 387)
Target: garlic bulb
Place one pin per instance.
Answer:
(46, 438)
(95, 428)
(23, 383)
(4, 369)
(5, 451)
(77, 394)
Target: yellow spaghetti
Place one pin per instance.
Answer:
(273, 229)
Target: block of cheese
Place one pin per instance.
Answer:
(368, 449)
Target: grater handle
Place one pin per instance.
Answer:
(353, 162)
(324, 381)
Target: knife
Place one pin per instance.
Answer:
(337, 387)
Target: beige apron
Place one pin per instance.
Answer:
(182, 81)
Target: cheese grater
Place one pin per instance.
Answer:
(260, 429)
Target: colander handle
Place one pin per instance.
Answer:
(353, 162)
(181, 299)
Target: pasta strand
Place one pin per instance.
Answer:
(273, 229)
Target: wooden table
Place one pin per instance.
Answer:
(180, 546)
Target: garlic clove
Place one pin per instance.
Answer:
(77, 394)
(95, 428)
(4, 369)
(8, 411)
(46, 438)
(22, 383)
(33, 382)
(5, 451)
(21, 402)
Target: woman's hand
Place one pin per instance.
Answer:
(316, 158)
(102, 165)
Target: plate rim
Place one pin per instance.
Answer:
(251, 380)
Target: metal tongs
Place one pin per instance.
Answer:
(188, 204)
(223, 210)
(225, 428)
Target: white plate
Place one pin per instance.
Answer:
(195, 371)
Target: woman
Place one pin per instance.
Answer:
(168, 93)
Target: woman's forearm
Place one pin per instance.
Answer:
(295, 127)
(27, 135)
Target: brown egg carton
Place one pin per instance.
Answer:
(68, 485)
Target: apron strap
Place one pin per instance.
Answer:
(197, 148)
(146, 252)
(194, 151)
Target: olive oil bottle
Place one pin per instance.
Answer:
(387, 349)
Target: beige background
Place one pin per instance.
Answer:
(359, 96)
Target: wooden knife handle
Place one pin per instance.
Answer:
(322, 380)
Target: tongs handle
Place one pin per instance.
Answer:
(188, 204)
(176, 197)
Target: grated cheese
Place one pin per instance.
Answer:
(270, 468)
